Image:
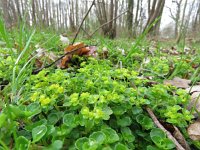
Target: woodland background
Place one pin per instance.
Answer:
(129, 17)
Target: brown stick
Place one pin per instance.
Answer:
(79, 28)
(47, 66)
(107, 23)
(158, 124)
(85, 32)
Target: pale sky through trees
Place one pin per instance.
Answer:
(134, 16)
(166, 19)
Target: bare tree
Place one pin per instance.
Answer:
(184, 22)
(176, 17)
(104, 16)
(136, 22)
(196, 21)
(155, 12)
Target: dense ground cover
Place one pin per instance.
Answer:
(96, 103)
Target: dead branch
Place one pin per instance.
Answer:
(47, 66)
(158, 124)
(79, 28)
(85, 32)
(107, 23)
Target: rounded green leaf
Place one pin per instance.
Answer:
(145, 121)
(35, 124)
(22, 143)
(98, 137)
(38, 132)
(127, 134)
(120, 146)
(107, 112)
(53, 118)
(151, 148)
(136, 110)
(157, 132)
(79, 143)
(33, 109)
(90, 145)
(69, 120)
(140, 118)
(56, 145)
(125, 121)
(168, 144)
(118, 110)
(111, 135)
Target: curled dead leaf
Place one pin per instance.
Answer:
(79, 49)
(195, 98)
(194, 131)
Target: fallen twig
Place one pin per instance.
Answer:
(79, 28)
(47, 66)
(158, 124)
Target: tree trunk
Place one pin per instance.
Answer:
(182, 21)
(156, 12)
(5, 13)
(130, 16)
(33, 12)
(136, 22)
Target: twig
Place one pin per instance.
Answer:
(47, 66)
(85, 32)
(158, 124)
(107, 23)
(79, 28)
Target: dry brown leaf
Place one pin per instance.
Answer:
(82, 50)
(195, 88)
(194, 131)
(195, 99)
(178, 82)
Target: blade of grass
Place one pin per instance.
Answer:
(140, 38)
(14, 79)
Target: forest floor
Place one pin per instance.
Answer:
(98, 94)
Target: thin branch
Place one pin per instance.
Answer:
(49, 65)
(79, 28)
(171, 14)
(158, 124)
(85, 32)
(107, 23)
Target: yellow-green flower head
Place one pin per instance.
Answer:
(57, 88)
(44, 100)
(35, 96)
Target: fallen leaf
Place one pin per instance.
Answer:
(82, 50)
(194, 131)
(178, 82)
(93, 51)
(42, 54)
(195, 88)
(195, 99)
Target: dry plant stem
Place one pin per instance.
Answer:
(79, 28)
(158, 124)
(107, 23)
(85, 32)
(47, 66)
